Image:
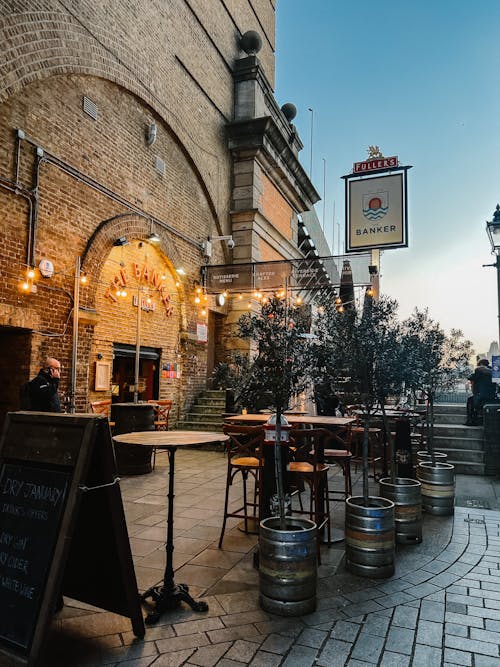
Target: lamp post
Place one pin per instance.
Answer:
(493, 231)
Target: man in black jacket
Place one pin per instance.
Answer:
(483, 390)
(44, 387)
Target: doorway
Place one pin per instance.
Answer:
(15, 344)
(123, 377)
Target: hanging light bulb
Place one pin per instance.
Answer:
(124, 292)
(240, 296)
(197, 299)
(30, 273)
(83, 279)
(225, 294)
(25, 286)
(369, 291)
(203, 312)
(298, 300)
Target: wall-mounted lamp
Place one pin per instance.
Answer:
(154, 238)
(151, 131)
(207, 245)
(122, 240)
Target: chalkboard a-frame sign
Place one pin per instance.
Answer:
(62, 528)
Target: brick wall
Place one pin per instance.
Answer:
(140, 63)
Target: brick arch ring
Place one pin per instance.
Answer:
(138, 226)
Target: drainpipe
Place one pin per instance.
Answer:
(74, 353)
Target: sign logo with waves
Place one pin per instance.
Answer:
(375, 206)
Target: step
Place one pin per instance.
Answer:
(468, 468)
(215, 393)
(202, 417)
(197, 426)
(440, 444)
(448, 409)
(451, 418)
(458, 431)
(208, 409)
(462, 455)
(206, 400)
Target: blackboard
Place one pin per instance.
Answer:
(62, 528)
(32, 502)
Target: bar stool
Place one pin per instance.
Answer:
(374, 435)
(338, 452)
(244, 456)
(307, 462)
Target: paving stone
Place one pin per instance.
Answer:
(312, 637)
(418, 576)
(263, 659)
(455, 657)
(359, 663)
(394, 586)
(395, 598)
(334, 653)
(492, 625)
(484, 613)
(231, 634)
(179, 643)
(465, 599)
(174, 659)
(430, 632)
(345, 631)
(376, 624)
(422, 590)
(362, 595)
(436, 566)
(456, 607)
(483, 661)
(456, 629)
(242, 651)
(400, 640)
(459, 568)
(362, 608)
(201, 625)
(472, 645)
(485, 635)
(208, 656)
(368, 648)
(300, 656)
(424, 656)
(492, 604)
(390, 659)
(405, 617)
(456, 588)
(463, 619)
(432, 611)
(439, 596)
(277, 644)
(444, 579)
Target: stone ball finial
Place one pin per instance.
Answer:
(251, 42)
(289, 111)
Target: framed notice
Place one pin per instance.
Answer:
(102, 374)
(201, 333)
(495, 368)
(376, 212)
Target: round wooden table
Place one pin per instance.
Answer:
(168, 595)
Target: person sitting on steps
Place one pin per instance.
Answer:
(483, 390)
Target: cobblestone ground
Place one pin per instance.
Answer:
(441, 608)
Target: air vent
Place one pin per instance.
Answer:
(89, 107)
(160, 165)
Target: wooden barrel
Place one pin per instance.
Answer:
(369, 537)
(129, 417)
(438, 487)
(423, 456)
(406, 495)
(287, 566)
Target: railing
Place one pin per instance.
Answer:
(452, 397)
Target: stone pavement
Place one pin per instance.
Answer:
(441, 608)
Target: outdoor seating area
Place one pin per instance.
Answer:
(227, 579)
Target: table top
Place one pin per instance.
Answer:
(168, 439)
(318, 420)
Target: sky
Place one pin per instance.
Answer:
(421, 81)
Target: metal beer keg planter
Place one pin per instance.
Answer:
(406, 495)
(287, 566)
(424, 456)
(438, 487)
(369, 536)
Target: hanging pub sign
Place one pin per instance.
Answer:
(376, 195)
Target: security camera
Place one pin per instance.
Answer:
(230, 244)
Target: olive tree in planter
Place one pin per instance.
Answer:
(280, 367)
(435, 361)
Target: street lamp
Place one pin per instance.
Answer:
(493, 230)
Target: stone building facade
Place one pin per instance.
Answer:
(119, 121)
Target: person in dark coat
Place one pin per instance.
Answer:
(43, 389)
(483, 390)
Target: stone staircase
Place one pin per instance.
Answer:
(206, 413)
(463, 444)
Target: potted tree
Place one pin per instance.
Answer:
(279, 368)
(434, 360)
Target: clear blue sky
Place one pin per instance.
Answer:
(422, 81)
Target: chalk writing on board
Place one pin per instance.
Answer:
(32, 502)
